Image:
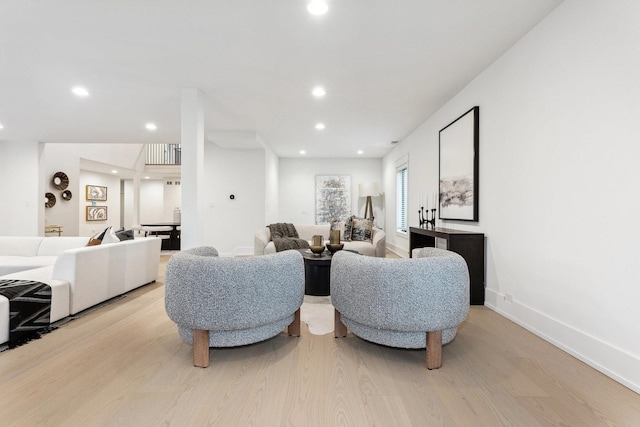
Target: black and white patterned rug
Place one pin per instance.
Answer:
(29, 309)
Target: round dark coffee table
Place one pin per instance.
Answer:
(317, 272)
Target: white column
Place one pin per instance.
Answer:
(140, 165)
(192, 139)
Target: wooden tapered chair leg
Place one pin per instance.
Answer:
(294, 327)
(200, 348)
(339, 328)
(434, 349)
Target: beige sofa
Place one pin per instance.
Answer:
(263, 244)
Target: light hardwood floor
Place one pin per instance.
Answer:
(124, 365)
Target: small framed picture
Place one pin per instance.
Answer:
(96, 192)
(96, 213)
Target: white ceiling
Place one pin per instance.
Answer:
(386, 65)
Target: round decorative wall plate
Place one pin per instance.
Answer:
(60, 180)
(49, 200)
(66, 195)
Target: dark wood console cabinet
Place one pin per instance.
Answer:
(469, 245)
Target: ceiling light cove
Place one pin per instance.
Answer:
(320, 126)
(80, 91)
(317, 7)
(318, 92)
(151, 126)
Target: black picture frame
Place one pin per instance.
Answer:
(458, 168)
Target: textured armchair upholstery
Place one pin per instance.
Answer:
(227, 302)
(407, 303)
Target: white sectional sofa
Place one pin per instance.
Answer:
(264, 245)
(80, 276)
(26, 253)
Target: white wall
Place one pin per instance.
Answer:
(272, 191)
(112, 182)
(63, 158)
(298, 185)
(21, 190)
(231, 224)
(157, 200)
(558, 153)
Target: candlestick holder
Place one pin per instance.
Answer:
(421, 217)
(432, 221)
(424, 219)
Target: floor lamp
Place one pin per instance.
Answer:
(369, 190)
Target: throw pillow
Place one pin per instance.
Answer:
(362, 230)
(110, 236)
(96, 239)
(125, 235)
(94, 242)
(345, 228)
(101, 235)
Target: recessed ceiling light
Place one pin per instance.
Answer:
(320, 126)
(151, 126)
(317, 7)
(1, 127)
(360, 151)
(80, 91)
(146, 177)
(114, 171)
(318, 92)
(303, 152)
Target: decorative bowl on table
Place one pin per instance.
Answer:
(334, 247)
(316, 249)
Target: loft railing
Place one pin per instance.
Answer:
(163, 154)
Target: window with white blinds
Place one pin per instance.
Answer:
(401, 198)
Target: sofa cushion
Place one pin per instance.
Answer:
(19, 246)
(13, 264)
(345, 227)
(362, 230)
(363, 248)
(54, 246)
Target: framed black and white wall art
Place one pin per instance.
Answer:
(459, 149)
(333, 198)
(96, 213)
(96, 192)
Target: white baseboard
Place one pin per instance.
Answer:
(241, 251)
(397, 250)
(611, 361)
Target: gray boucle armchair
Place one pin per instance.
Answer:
(227, 302)
(406, 303)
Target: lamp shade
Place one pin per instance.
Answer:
(369, 189)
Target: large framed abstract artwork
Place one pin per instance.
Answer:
(459, 149)
(333, 198)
